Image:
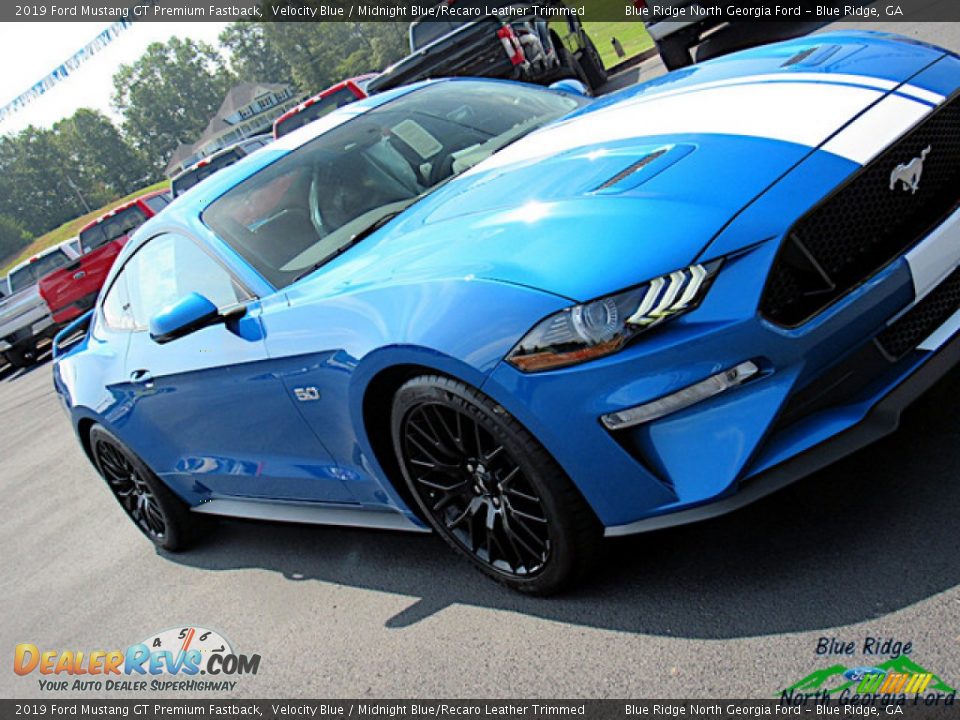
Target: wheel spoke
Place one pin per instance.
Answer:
(520, 524)
(455, 438)
(437, 462)
(515, 538)
(522, 495)
(509, 478)
(524, 515)
(490, 456)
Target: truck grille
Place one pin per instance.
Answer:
(864, 224)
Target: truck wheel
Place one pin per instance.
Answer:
(593, 67)
(570, 68)
(19, 358)
(674, 53)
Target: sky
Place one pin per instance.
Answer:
(29, 51)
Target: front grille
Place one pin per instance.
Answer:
(864, 225)
(848, 380)
(918, 323)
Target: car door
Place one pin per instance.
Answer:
(207, 412)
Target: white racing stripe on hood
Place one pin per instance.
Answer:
(868, 135)
(801, 113)
(917, 93)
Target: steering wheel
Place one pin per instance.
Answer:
(316, 218)
(441, 170)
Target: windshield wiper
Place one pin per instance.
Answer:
(356, 238)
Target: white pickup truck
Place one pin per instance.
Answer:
(25, 318)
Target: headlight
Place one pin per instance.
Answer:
(604, 326)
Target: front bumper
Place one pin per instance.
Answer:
(75, 309)
(36, 326)
(881, 420)
(823, 391)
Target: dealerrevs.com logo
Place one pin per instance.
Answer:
(171, 660)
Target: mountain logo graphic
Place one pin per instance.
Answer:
(898, 675)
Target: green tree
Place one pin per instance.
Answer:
(252, 57)
(169, 95)
(322, 53)
(103, 165)
(37, 187)
(13, 238)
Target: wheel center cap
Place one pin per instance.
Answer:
(482, 479)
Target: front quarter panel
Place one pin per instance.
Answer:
(338, 342)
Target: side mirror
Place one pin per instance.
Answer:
(571, 86)
(188, 314)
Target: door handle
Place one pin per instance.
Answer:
(142, 377)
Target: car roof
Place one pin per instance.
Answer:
(42, 254)
(119, 208)
(206, 160)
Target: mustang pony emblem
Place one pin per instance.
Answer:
(909, 173)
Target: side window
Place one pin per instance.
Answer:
(116, 305)
(157, 202)
(169, 267)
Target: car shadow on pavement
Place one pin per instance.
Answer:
(9, 372)
(873, 534)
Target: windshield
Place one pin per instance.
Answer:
(181, 184)
(111, 228)
(30, 274)
(320, 108)
(309, 205)
(425, 32)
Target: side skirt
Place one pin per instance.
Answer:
(293, 512)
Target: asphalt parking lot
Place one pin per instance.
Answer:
(732, 607)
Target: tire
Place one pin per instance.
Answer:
(20, 358)
(674, 53)
(593, 68)
(489, 489)
(570, 68)
(159, 514)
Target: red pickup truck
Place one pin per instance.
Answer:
(71, 291)
(314, 108)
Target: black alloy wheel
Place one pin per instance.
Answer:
(131, 491)
(488, 488)
(153, 508)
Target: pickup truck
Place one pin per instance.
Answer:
(25, 319)
(529, 47)
(72, 289)
(314, 108)
(222, 158)
(678, 26)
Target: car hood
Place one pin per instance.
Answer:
(636, 185)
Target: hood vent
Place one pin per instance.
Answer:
(813, 56)
(631, 169)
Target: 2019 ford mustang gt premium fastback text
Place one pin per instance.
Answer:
(527, 319)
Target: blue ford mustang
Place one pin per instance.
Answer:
(527, 319)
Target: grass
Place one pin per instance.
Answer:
(71, 228)
(631, 34)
